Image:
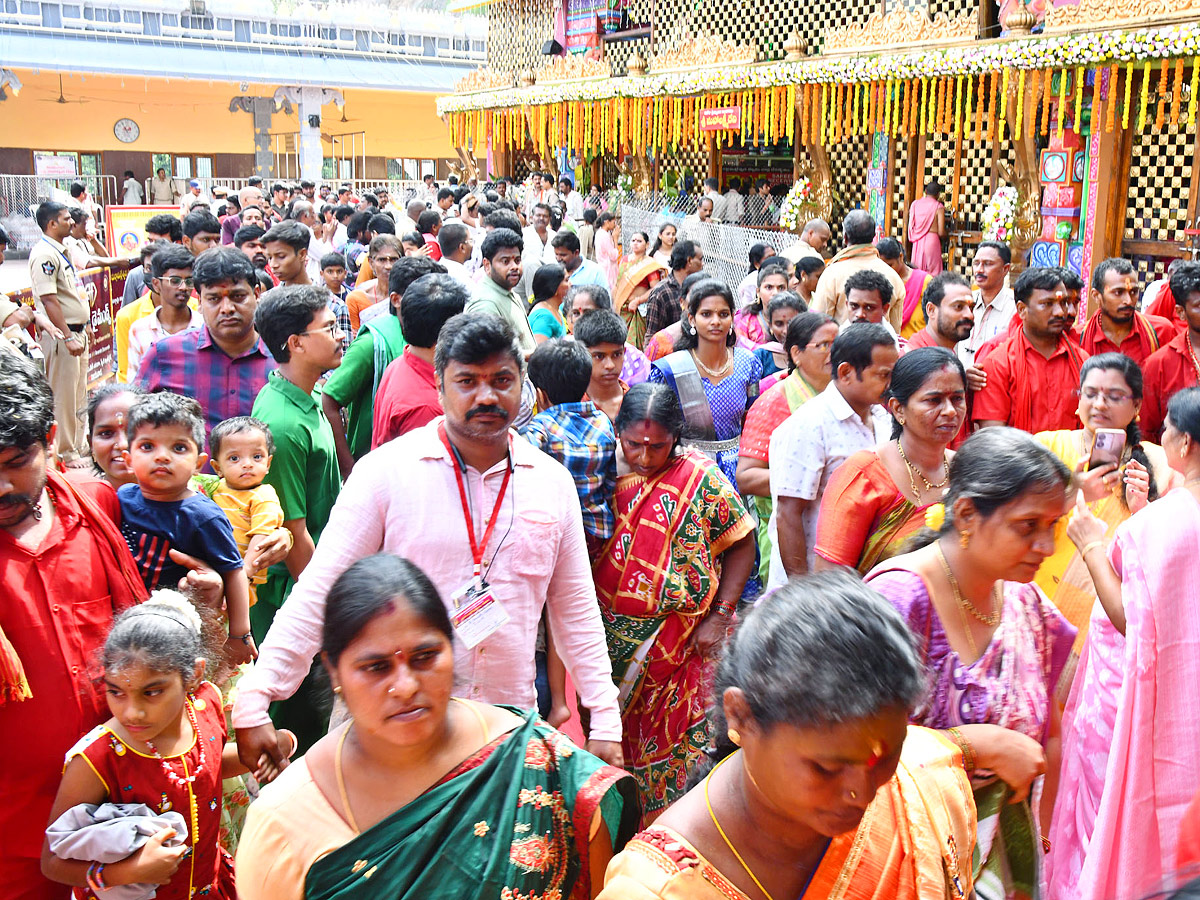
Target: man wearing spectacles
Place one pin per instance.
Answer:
(171, 269)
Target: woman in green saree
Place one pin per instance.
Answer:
(422, 794)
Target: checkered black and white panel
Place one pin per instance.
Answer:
(975, 183)
(899, 185)
(849, 160)
(1149, 268)
(1160, 175)
(952, 7)
(517, 29)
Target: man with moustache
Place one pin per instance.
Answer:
(1117, 326)
(409, 497)
(1032, 375)
(949, 311)
(224, 364)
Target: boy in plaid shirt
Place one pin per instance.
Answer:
(575, 432)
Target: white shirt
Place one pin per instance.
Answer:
(458, 271)
(403, 498)
(534, 255)
(991, 319)
(133, 192)
(733, 207)
(1151, 293)
(718, 202)
(810, 445)
(148, 330)
(574, 206)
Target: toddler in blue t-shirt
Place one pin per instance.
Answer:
(161, 514)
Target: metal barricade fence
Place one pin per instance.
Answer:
(21, 194)
(726, 247)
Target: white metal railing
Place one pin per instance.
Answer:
(726, 247)
(21, 194)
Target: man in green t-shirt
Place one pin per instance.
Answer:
(302, 334)
(353, 386)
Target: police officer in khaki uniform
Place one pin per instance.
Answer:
(58, 293)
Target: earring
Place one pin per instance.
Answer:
(854, 795)
(964, 539)
(901, 421)
(198, 703)
(735, 736)
(337, 688)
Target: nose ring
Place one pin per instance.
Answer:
(853, 795)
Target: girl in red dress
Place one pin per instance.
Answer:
(165, 746)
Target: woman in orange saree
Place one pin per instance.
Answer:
(668, 582)
(877, 500)
(821, 790)
(637, 273)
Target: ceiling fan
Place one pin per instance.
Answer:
(60, 98)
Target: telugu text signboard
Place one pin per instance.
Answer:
(727, 118)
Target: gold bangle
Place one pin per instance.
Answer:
(964, 746)
(1091, 546)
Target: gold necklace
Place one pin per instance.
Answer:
(992, 618)
(929, 485)
(724, 837)
(714, 373)
(1192, 354)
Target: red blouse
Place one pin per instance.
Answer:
(131, 776)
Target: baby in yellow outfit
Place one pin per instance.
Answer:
(240, 449)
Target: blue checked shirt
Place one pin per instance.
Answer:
(581, 437)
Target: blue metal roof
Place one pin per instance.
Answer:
(53, 50)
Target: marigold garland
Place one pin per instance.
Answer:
(1161, 115)
(1080, 86)
(1195, 90)
(1003, 102)
(1018, 129)
(980, 102)
(1062, 103)
(1177, 92)
(1143, 97)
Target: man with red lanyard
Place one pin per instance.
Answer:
(493, 522)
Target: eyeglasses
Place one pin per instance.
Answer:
(331, 329)
(821, 345)
(385, 260)
(1114, 398)
(177, 280)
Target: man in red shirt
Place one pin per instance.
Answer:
(66, 573)
(408, 393)
(1177, 365)
(1117, 326)
(949, 312)
(1032, 376)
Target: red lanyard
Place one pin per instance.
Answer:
(477, 549)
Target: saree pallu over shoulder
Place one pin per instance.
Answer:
(511, 823)
(914, 842)
(669, 531)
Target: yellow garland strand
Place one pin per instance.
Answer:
(791, 114)
(1018, 130)
(1195, 90)
(824, 110)
(1080, 87)
(924, 106)
(958, 86)
(854, 109)
(1003, 100)
(1062, 102)
(887, 109)
(1177, 92)
(1143, 97)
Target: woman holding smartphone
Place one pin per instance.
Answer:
(1110, 396)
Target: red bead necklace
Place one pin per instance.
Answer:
(182, 780)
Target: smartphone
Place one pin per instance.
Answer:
(1107, 448)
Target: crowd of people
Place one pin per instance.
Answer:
(474, 549)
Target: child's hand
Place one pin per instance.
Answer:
(238, 651)
(154, 863)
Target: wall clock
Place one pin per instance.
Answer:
(126, 130)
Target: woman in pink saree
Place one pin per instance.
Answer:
(1131, 731)
(926, 228)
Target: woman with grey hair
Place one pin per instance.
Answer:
(819, 786)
